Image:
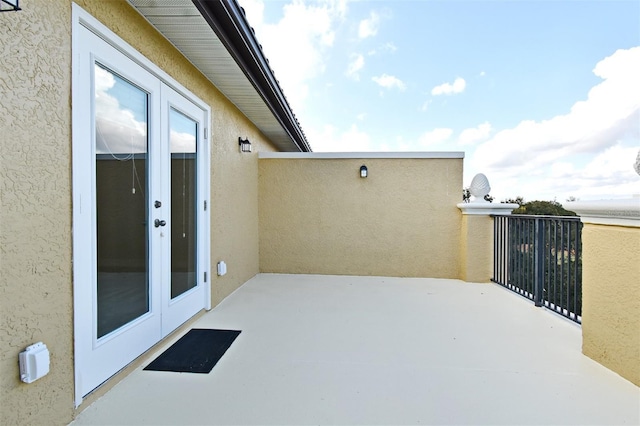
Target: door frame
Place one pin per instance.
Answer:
(83, 194)
(173, 310)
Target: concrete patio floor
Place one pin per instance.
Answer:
(370, 350)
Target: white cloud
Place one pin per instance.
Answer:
(330, 139)
(254, 10)
(389, 82)
(435, 137)
(306, 29)
(475, 134)
(356, 64)
(561, 170)
(385, 48)
(389, 47)
(369, 27)
(182, 142)
(599, 137)
(614, 161)
(118, 132)
(609, 174)
(458, 86)
(610, 113)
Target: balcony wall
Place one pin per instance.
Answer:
(318, 216)
(611, 284)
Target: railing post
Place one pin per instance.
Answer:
(477, 238)
(538, 281)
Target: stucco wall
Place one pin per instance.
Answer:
(611, 298)
(317, 216)
(35, 180)
(476, 251)
(35, 214)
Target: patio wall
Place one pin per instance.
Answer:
(611, 298)
(476, 254)
(318, 216)
(35, 182)
(610, 283)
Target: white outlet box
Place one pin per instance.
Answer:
(34, 362)
(222, 268)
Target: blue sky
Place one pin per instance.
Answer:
(542, 96)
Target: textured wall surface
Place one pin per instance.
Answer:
(35, 214)
(611, 298)
(476, 251)
(35, 183)
(317, 216)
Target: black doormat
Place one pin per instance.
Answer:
(196, 352)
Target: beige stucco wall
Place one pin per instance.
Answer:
(317, 216)
(35, 182)
(35, 214)
(35, 210)
(476, 248)
(611, 298)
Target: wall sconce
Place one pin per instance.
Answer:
(245, 145)
(363, 171)
(9, 5)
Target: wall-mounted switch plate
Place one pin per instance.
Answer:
(34, 362)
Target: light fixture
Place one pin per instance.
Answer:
(245, 145)
(363, 171)
(9, 5)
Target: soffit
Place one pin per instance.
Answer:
(182, 23)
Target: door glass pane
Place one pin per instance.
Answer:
(182, 140)
(121, 204)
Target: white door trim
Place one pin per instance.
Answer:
(173, 310)
(83, 193)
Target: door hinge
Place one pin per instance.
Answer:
(205, 205)
(205, 277)
(206, 133)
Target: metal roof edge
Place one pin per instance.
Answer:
(227, 19)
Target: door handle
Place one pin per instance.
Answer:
(158, 223)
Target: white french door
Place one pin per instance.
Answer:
(140, 223)
(183, 242)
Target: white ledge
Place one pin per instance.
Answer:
(359, 155)
(484, 208)
(624, 212)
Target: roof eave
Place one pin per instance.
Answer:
(227, 19)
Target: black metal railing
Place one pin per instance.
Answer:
(540, 257)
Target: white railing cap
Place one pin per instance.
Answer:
(484, 208)
(622, 212)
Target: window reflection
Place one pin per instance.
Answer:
(121, 115)
(182, 139)
(121, 205)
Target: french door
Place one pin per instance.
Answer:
(140, 224)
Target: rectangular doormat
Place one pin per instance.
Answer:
(196, 352)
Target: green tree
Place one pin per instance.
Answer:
(550, 208)
(537, 207)
(519, 200)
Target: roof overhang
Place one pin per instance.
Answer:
(216, 38)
